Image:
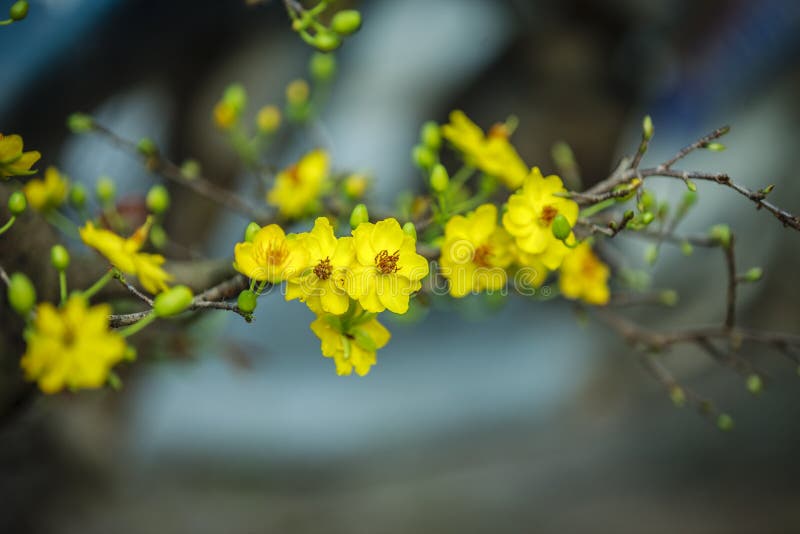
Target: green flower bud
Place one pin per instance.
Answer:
(251, 231)
(158, 236)
(754, 384)
(346, 22)
(439, 178)
(647, 217)
(647, 127)
(431, 135)
(17, 203)
(754, 274)
(18, 11)
(651, 254)
(358, 216)
(172, 301)
(715, 147)
(21, 294)
(247, 301)
(721, 233)
(668, 297)
(691, 186)
(190, 169)
(105, 189)
(677, 396)
(647, 201)
(410, 229)
(297, 92)
(724, 422)
(687, 248)
(767, 190)
(235, 96)
(327, 41)
(77, 195)
(59, 257)
(147, 147)
(560, 227)
(157, 199)
(423, 157)
(322, 66)
(79, 123)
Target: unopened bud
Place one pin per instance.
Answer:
(423, 157)
(105, 189)
(157, 199)
(235, 96)
(21, 293)
(560, 227)
(247, 301)
(346, 22)
(18, 11)
(651, 254)
(77, 195)
(410, 230)
(677, 396)
(268, 119)
(668, 297)
(327, 41)
(322, 66)
(431, 135)
(358, 216)
(687, 248)
(79, 123)
(297, 92)
(172, 301)
(647, 127)
(724, 422)
(190, 169)
(647, 217)
(715, 147)
(754, 274)
(59, 257)
(722, 234)
(251, 231)
(17, 203)
(439, 178)
(158, 236)
(754, 384)
(147, 147)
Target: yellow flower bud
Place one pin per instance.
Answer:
(225, 115)
(173, 301)
(297, 92)
(355, 186)
(268, 119)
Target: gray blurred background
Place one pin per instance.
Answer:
(520, 418)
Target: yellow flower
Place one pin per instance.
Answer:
(351, 346)
(225, 115)
(583, 276)
(71, 346)
(387, 268)
(530, 214)
(530, 272)
(355, 186)
(124, 254)
(475, 252)
(268, 119)
(13, 161)
(321, 285)
(297, 189)
(492, 153)
(271, 257)
(48, 193)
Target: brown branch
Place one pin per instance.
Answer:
(730, 261)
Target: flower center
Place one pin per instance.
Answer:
(499, 131)
(387, 263)
(294, 174)
(275, 253)
(324, 269)
(482, 255)
(589, 268)
(548, 214)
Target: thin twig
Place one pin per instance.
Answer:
(730, 261)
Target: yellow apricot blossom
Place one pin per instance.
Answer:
(225, 115)
(387, 269)
(47, 193)
(583, 276)
(13, 161)
(492, 153)
(71, 346)
(476, 252)
(530, 215)
(298, 188)
(124, 254)
(272, 256)
(321, 284)
(351, 346)
(530, 271)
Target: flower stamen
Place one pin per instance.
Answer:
(387, 263)
(324, 269)
(548, 214)
(482, 255)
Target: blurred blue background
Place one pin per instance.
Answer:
(522, 418)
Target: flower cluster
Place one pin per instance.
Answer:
(298, 188)
(48, 193)
(345, 281)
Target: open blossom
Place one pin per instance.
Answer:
(352, 346)
(321, 284)
(13, 161)
(476, 252)
(297, 189)
(71, 346)
(124, 254)
(583, 276)
(47, 193)
(387, 268)
(272, 256)
(492, 153)
(530, 215)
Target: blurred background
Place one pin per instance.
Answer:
(518, 418)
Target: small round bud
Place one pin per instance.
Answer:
(346, 22)
(158, 236)
(410, 230)
(77, 195)
(647, 217)
(647, 127)
(358, 216)
(439, 178)
(236, 97)
(691, 186)
(105, 189)
(251, 231)
(687, 248)
(190, 169)
(326, 41)
(722, 234)
(268, 119)
(146, 147)
(297, 92)
(18, 11)
(157, 199)
(423, 157)
(431, 135)
(172, 301)
(59, 257)
(355, 186)
(668, 297)
(17, 203)
(715, 147)
(21, 293)
(560, 227)
(754, 274)
(79, 123)
(754, 384)
(322, 66)
(247, 301)
(647, 201)
(677, 396)
(651, 254)
(724, 422)
(225, 116)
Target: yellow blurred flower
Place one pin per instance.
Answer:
(298, 188)
(530, 271)
(225, 115)
(387, 269)
(297, 92)
(268, 119)
(355, 186)
(47, 193)
(492, 153)
(72, 346)
(476, 252)
(124, 254)
(530, 214)
(583, 276)
(13, 161)
(272, 256)
(351, 346)
(321, 285)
